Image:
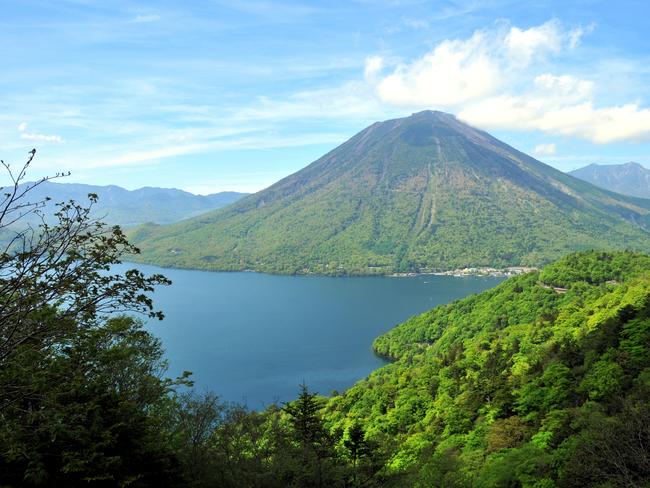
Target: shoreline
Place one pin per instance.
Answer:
(474, 271)
(458, 272)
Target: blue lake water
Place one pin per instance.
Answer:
(253, 338)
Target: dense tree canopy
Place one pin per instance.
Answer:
(541, 381)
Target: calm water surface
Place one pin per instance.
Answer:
(253, 338)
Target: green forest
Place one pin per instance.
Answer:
(542, 381)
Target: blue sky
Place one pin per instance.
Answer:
(221, 95)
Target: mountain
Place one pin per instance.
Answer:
(134, 207)
(412, 194)
(541, 381)
(628, 179)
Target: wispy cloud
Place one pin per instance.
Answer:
(273, 10)
(253, 141)
(486, 78)
(144, 18)
(415, 23)
(31, 136)
(545, 149)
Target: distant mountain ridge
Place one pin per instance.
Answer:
(628, 179)
(134, 207)
(418, 193)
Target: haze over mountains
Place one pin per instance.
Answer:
(628, 179)
(418, 193)
(133, 207)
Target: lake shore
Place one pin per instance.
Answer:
(478, 271)
(371, 271)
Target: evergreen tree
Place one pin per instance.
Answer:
(320, 465)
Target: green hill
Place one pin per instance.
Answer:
(419, 193)
(541, 381)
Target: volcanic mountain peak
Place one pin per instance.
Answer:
(422, 128)
(417, 193)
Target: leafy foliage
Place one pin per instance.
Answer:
(523, 385)
(64, 267)
(528, 384)
(87, 412)
(81, 389)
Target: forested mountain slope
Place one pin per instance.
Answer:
(419, 193)
(542, 381)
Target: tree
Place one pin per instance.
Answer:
(307, 424)
(614, 451)
(355, 442)
(91, 412)
(82, 394)
(196, 420)
(65, 266)
(367, 458)
(316, 445)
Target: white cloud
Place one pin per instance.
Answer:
(40, 137)
(144, 18)
(548, 94)
(561, 105)
(566, 87)
(350, 100)
(545, 149)
(374, 65)
(454, 72)
(415, 23)
(22, 128)
(458, 71)
(500, 79)
(523, 46)
(133, 157)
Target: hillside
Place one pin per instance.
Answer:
(413, 194)
(521, 385)
(628, 179)
(134, 207)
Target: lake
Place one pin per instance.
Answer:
(253, 338)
